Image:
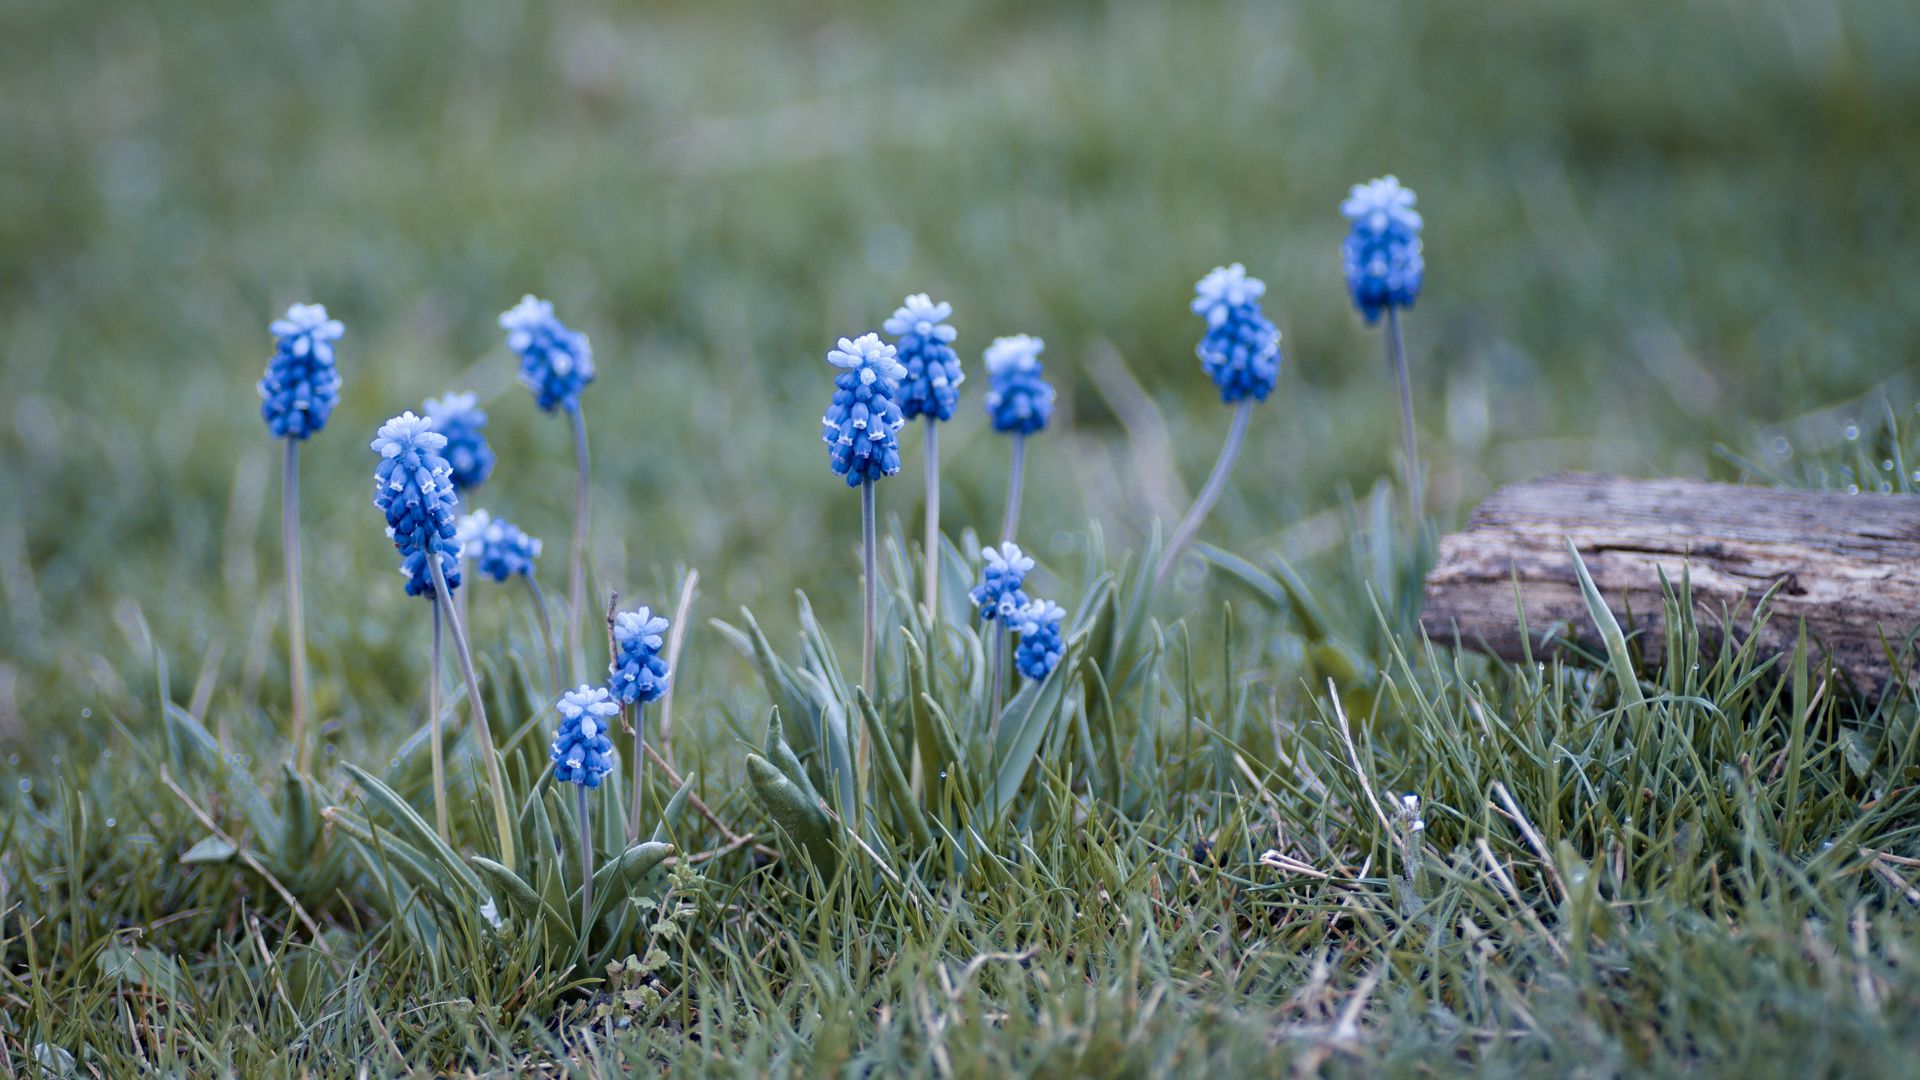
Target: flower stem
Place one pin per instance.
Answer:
(586, 858)
(1409, 444)
(1011, 519)
(869, 558)
(476, 714)
(296, 621)
(439, 753)
(932, 567)
(577, 567)
(1209, 494)
(546, 631)
(1000, 638)
(639, 769)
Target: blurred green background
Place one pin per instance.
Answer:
(1652, 228)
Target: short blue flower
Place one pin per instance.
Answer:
(460, 420)
(1040, 649)
(638, 673)
(301, 386)
(1241, 349)
(413, 486)
(931, 386)
(998, 596)
(582, 753)
(862, 423)
(498, 548)
(1381, 254)
(555, 363)
(1019, 400)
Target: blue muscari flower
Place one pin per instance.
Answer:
(582, 754)
(862, 424)
(498, 548)
(638, 673)
(1241, 349)
(998, 596)
(413, 486)
(301, 385)
(1038, 624)
(1381, 254)
(931, 386)
(555, 363)
(458, 418)
(1019, 400)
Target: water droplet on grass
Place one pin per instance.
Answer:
(1851, 431)
(26, 785)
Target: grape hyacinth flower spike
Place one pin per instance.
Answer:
(930, 388)
(861, 428)
(556, 363)
(1038, 624)
(1384, 268)
(413, 488)
(1019, 401)
(583, 756)
(638, 676)
(501, 551)
(1240, 352)
(458, 418)
(297, 395)
(998, 598)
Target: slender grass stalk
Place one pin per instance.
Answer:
(933, 521)
(1409, 444)
(477, 714)
(1216, 483)
(577, 567)
(296, 621)
(586, 858)
(1010, 520)
(639, 770)
(439, 751)
(675, 640)
(539, 600)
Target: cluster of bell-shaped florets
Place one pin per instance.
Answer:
(1381, 254)
(1019, 399)
(413, 487)
(459, 418)
(582, 753)
(556, 363)
(497, 549)
(301, 385)
(931, 385)
(999, 596)
(1241, 349)
(638, 673)
(861, 426)
(1040, 648)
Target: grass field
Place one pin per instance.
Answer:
(1661, 239)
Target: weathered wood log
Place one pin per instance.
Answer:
(1849, 565)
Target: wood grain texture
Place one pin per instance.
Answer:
(1847, 564)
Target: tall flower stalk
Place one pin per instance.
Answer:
(861, 428)
(556, 363)
(297, 395)
(1381, 256)
(636, 677)
(1019, 402)
(460, 418)
(413, 488)
(1240, 352)
(930, 388)
(582, 756)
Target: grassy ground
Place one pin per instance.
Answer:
(1662, 239)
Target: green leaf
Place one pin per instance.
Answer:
(1618, 658)
(212, 849)
(891, 776)
(145, 968)
(1024, 724)
(413, 828)
(793, 813)
(526, 903)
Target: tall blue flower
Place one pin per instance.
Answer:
(582, 753)
(999, 596)
(931, 386)
(301, 385)
(1038, 624)
(498, 548)
(458, 418)
(1019, 399)
(862, 423)
(638, 673)
(1381, 253)
(413, 486)
(1241, 349)
(555, 363)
